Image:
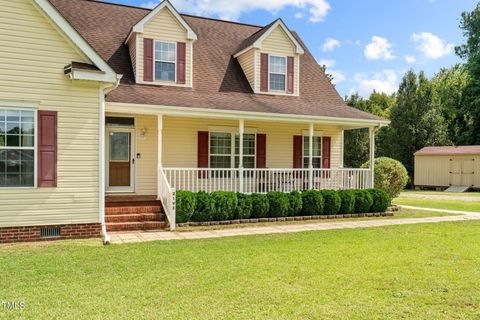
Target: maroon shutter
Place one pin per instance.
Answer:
(261, 150)
(264, 72)
(326, 146)
(290, 68)
(147, 59)
(181, 53)
(297, 151)
(202, 152)
(47, 149)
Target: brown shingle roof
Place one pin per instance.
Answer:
(449, 150)
(218, 80)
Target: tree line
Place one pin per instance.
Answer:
(441, 110)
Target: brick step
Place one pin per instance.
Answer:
(134, 217)
(133, 210)
(135, 226)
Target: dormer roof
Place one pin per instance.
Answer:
(256, 39)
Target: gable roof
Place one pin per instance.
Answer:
(77, 39)
(255, 40)
(449, 150)
(138, 27)
(218, 80)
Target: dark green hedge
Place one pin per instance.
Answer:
(218, 206)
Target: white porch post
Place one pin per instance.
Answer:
(159, 148)
(241, 129)
(310, 156)
(372, 157)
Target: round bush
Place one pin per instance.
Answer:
(295, 203)
(185, 206)
(260, 205)
(312, 203)
(332, 202)
(244, 206)
(225, 205)
(204, 208)
(381, 200)
(348, 201)
(279, 204)
(363, 201)
(390, 175)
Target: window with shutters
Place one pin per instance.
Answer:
(17, 147)
(277, 73)
(224, 150)
(316, 154)
(165, 61)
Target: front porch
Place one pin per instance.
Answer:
(205, 152)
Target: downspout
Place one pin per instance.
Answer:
(104, 90)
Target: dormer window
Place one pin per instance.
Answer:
(165, 60)
(277, 73)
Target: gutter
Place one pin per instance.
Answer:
(103, 91)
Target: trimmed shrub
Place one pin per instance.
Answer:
(244, 206)
(363, 201)
(260, 205)
(295, 203)
(390, 175)
(185, 206)
(381, 200)
(279, 204)
(225, 205)
(312, 203)
(348, 201)
(332, 202)
(204, 208)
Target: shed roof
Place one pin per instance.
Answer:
(448, 150)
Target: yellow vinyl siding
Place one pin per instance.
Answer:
(246, 61)
(146, 166)
(434, 170)
(278, 43)
(132, 45)
(32, 58)
(164, 27)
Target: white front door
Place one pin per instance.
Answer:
(120, 166)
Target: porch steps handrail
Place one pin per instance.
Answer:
(167, 195)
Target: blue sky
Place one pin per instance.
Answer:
(366, 44)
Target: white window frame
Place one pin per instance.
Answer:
(284, 74)
(307, 155)
(19, 107)
(232, 154)
(155, 61)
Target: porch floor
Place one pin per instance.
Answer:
(130, 237)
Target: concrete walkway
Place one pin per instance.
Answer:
(286, 228)
(441, 197)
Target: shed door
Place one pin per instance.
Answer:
(461, 171)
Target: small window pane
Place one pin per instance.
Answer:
(277, 82)
(2, 126)
(28, 116)
(27, 128)
(2, 140)
(13, 127)
(13, 115)
(220, 162)
(164, 71)
(27, 141)
(13, 141)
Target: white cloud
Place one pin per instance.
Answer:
(327, 62)
(385, 81)
(338, 76)
(410, 59)
(330, 44)
(432, 46)
(232, 10)
(299, 15)
(379, 48)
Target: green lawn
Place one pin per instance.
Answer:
(405, 213)
(439, 204)
(425, 271)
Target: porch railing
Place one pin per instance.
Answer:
(265, 180)
(167, 195)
